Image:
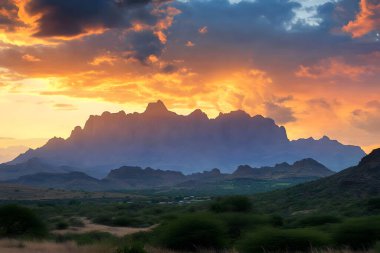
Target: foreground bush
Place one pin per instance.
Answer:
(239, 223)
(232, 204)
(276, 240)
(193, 232)
(317, 220)
(361, 233)
(18, 221)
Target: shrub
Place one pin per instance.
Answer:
(361, 233)
(374, 204)
(61, 225)
(317, 220)
(238, 223)
(232, 204)
(20, 221)
(377, 247)
(74, 222)
(134, 248)
(193, 232)
(276, 240)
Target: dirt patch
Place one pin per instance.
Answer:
(90, 227)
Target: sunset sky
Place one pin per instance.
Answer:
(312, 65)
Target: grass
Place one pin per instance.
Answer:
(14, 246)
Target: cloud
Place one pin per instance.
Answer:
(203, 30)
(65, 107)
(368, 118)
(9, 15)
(30, 58)
(280, 113)
(331, 68)
(366, 21)
(71, 18)
(189, 44)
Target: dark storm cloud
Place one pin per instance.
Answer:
(143, 44)
(8, 15)
(73, 17)
(268, 27)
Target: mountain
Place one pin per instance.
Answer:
(300, 169)
(29, 167)
(134, 178)
(162, 139)
(356, 183)
(72, 181)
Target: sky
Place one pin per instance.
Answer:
(311, 65)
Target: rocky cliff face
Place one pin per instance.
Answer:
(162, 139)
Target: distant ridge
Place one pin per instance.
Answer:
(355, 183)
(132, 177)
(162, 139)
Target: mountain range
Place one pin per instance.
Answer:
(360, 182)
(193, 143)
(127, 177)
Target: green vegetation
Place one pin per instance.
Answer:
(184, 223)
(20, 221)
(359, 233)
(192, 233)
(232, 204)
(277, 240)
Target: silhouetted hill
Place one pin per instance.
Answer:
(135, 177)
(71, 180)
(29, 167)
(300, 169)
(162, 139)
(355, 183)
(132, 178)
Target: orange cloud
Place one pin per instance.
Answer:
(30, 58)
(189, 44)
(367, 20)
(203, 30)
(331, 68)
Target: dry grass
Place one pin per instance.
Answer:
(13, 246)
(90, 227)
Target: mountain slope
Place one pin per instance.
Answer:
(341, 189)
(300, 169)
(162, 139)
(70, 181)
(29, 167)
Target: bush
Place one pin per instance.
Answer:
(61, 225)
(20, 221)
(193, 232)
(232, 204)
(374, 204)
(361, 233)
(238, 223)
(134, 248)
(276, 240)
(317, 220)
(377, 247)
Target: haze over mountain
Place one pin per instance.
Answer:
(162, 139)
(128, 177)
